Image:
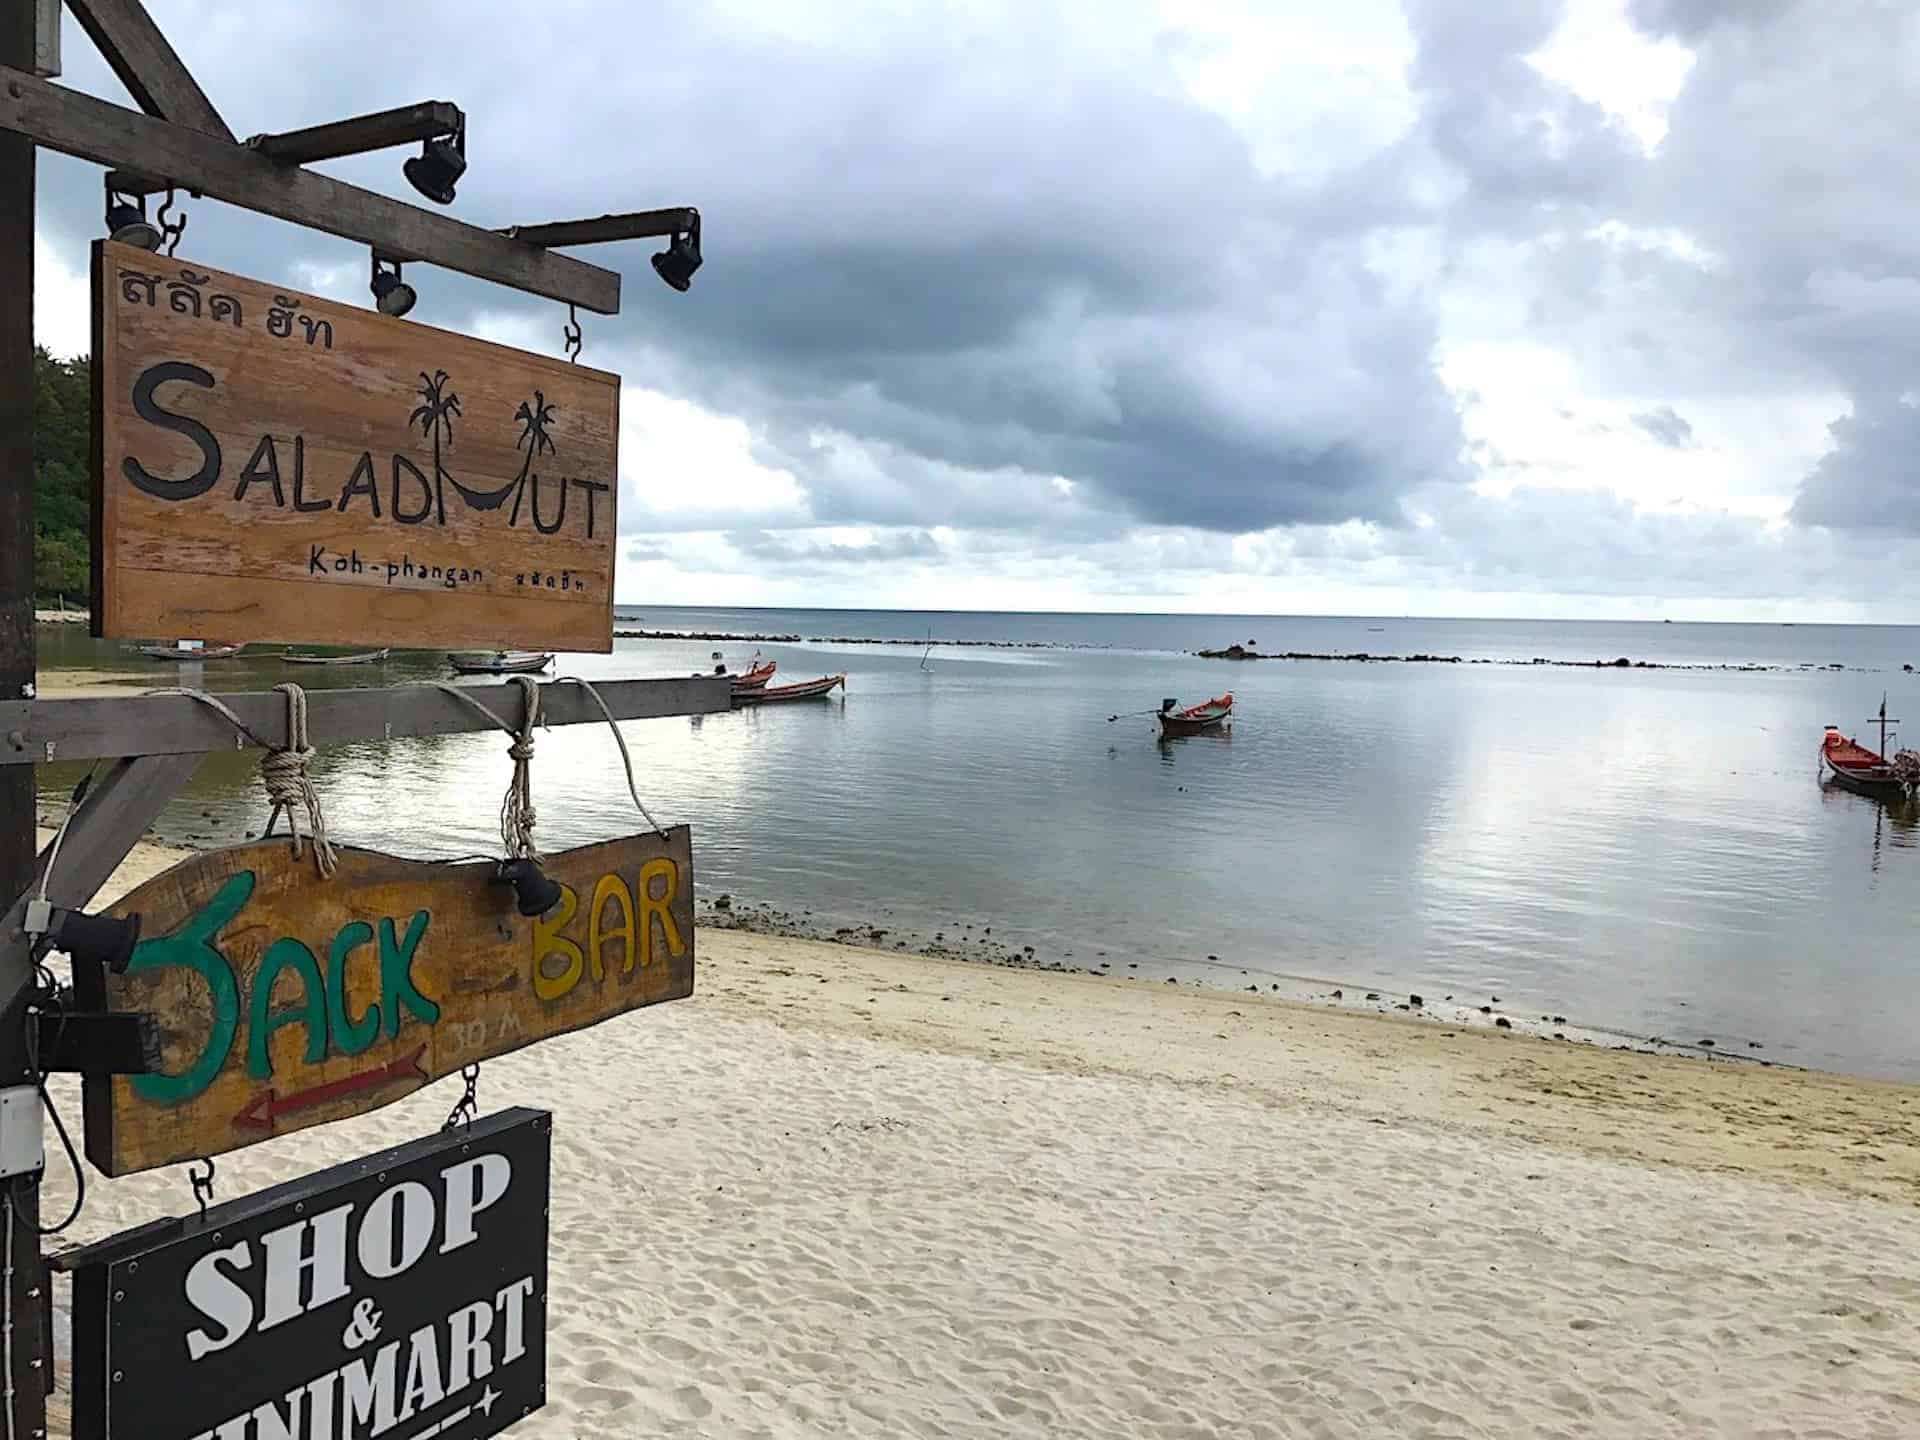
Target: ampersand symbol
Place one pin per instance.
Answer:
(364, 1326)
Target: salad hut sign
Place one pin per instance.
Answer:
(401, 1294)
(274, 466)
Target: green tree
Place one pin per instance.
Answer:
(62, 445)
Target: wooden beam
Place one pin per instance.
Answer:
(108, 824)
(360, 134)
(154, 75)
(36, 731)
(636, 225)
(110, 135)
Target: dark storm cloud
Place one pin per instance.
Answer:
(1866, 481)
(993, 248)
(1666, 425)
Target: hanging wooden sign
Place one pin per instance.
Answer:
(404, 1292)
(286, 1000)
(273, 466)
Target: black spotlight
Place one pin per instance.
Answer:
(533, 891)
(439, 164)
(96, 939)
(391, 295)
(127, 221)
(681, 258)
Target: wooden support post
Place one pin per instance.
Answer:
(109, 823)
(25, 1278)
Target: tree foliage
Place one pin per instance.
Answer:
(62, 442)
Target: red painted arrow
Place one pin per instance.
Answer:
(259, 1112)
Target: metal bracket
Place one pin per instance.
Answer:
(94, 1042)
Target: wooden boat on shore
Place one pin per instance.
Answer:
(499, 662)
(1868, 772)
(805, 690)
(191, 652)
(364, 657)
(1195, 718)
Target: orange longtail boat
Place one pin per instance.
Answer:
(1195, 718)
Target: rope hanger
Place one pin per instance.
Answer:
(284, 771)
(516, 811)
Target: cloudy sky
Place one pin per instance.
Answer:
(1481, 307)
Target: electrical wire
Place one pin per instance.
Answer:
(60, 1126)
(73, 804)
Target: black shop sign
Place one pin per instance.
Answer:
(402, 1294)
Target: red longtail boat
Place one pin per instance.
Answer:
(1869, 772)
(756, 676)
(805, 690)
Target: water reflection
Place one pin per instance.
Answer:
(1641, 850)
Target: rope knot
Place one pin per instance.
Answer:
(289, 783)
(517, 814)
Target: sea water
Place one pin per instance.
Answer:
(1646, 850)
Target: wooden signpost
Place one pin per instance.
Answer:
(272, 466)
(275, 466)
(285, 999)
(404, 1292)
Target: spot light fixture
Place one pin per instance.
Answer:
(391, 294)
(127, 221)
(441, 162)
(91, 939)
(533, 893)
(681, 258)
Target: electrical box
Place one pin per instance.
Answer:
(21, 1149)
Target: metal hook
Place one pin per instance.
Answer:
(201, 1180)
(573, 337)
(175, 228)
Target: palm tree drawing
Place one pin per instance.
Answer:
(533, 439)
(435, 416)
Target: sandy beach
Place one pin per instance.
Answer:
(850, 1192)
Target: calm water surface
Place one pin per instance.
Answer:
(1649, 851)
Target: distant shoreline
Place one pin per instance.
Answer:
(1620, 662)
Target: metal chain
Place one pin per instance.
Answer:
(201, 1180)
(175, 228)
(467, 1107)
(574, 339)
